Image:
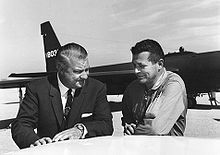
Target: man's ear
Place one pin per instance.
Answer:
(161, 63)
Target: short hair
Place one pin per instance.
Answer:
(151, 46)
(70, 50)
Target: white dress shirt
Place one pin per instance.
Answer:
(63, 92)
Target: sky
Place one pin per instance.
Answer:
(106, 28)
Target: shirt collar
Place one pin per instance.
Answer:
(63, 89)
(160, 80)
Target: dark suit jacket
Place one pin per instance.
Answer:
(41, 109)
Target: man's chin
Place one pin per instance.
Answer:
(141, 80)
(80, 84)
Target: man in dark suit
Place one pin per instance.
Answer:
(66, 105)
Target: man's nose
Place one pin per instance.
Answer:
(84, 74)
(136, 70)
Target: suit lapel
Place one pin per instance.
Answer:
(76, 106)
(55, 99)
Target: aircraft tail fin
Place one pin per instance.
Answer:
(51, 45)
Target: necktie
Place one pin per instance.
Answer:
(68, 104)
(67, 109)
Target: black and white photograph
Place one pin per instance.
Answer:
(109, 77)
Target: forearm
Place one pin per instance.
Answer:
(172, 107)
(23, 135)
(26, 121)
(99, 128)
(100, 123)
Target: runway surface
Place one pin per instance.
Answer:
(200, 122)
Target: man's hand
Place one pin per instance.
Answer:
(72, 133)
(42, 141)
(146, 127)
(144, 130)
(129, 129)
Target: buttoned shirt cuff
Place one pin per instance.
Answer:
(82, 128)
